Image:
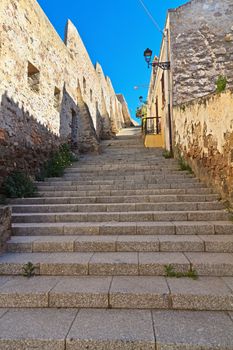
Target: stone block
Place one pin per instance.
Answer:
(114, 264)
(179, 330)
(139, 292)
(80, 292)
(111, 329)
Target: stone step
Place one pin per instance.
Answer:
(182, 183)
(145, 192)
(118, 292)
(122, 243)
(117, 181)
(117, 207)
(101, 169)
(124, 228)
(72, 329)
(123, 175)
(118, 263)
(118, 199)
(154, 216)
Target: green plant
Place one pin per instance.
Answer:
(170, 272)
(221, 83)
(29, 270)
(183, 165)
(55, 166)
(3, 199)
(167, 154)
(18, 185)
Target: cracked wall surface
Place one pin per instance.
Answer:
(203, 134)
(201, 39)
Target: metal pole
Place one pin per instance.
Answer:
(169, 91)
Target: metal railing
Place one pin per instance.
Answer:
(151, 125)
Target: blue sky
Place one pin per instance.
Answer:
(115, 33)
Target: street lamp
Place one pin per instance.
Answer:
(155, 63)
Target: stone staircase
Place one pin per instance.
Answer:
(101, 240)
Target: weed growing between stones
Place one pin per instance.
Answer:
(18, 185)
(56, 165)
(170, 272)
(183, 165)
(167, 154)
(221, 83)
(29, 270)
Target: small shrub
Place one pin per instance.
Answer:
(56, 165)
(3, 199)
(221, 83)
(184, 166)
(170, 272)
(167, 154)
(18, 185)
(29, 270)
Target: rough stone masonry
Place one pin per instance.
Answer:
(50, 91)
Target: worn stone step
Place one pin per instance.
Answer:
(119, 292)
(145, 192)
(117, 207)
(122, 243)
(117, 181)
(117, 263)
(206, 215)
(124, 228)
(117, 199)
(127, 186)
(98, 329)
(93, 178)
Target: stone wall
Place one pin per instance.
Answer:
(5, 226)
(50, 91)
(201, 39)
(203, 134)
(125, 111)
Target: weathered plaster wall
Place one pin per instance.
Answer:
(50, 92)
(201, 34)
(203, 133)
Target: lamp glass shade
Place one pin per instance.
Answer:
(148, 55)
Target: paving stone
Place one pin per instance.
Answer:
(95, 244)
(26, 292)
(81, 229)
(81, 292)
(212, 264)
(111, 329)
(153, 264)
(139, 292)
(137, 243)
(33, 229)
(13, 263)
(223, 228)
(118, 228)
(194, 330)
(65, 264)
(229, 282)
(158, 228)
(54, 244)
(43, 329)
(218, 243)
(2, 312)
(180, 243)
(194, 228)
(20, 244)
(205, 293)
(114, 264)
